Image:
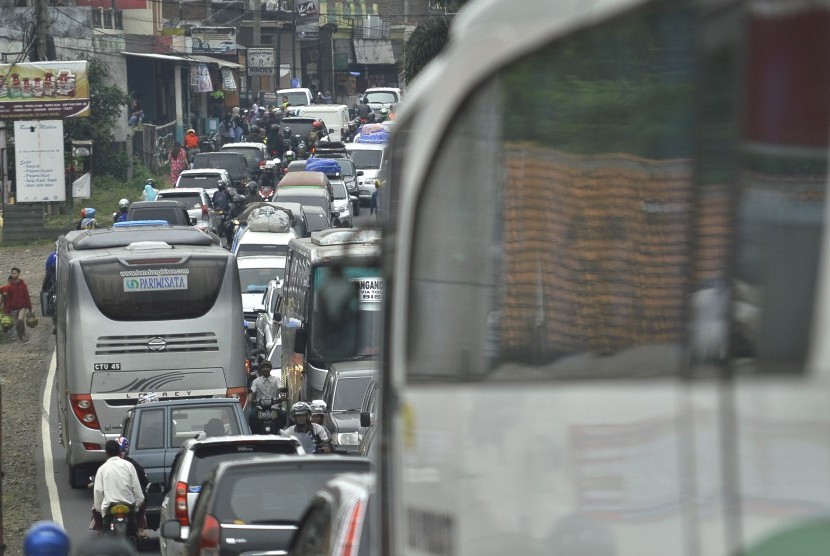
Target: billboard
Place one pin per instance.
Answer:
(38, 157)
(44, 90)
(261, 61)
(213, 39)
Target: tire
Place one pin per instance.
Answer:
(77, 478)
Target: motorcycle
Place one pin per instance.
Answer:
(121, 522)
(209, 143)
(268, 417)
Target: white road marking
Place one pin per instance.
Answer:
(46, 442)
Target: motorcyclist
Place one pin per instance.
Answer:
(220, 197)
(364, 112)
(121, 214)
(191, 144)
(268, 178)
(384, 114)
(124, 444)
(251, 193)
(313, 437)
(315, 134)
(254, 135)
(287, 159)
(264, 386)
(236, 209)
(116, 481)
(318, 414)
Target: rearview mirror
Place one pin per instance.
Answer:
(193, 221)
(277, 316)
(359, 173)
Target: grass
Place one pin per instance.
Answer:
(106, 192)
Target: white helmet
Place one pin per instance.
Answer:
(318, 407)
(123, 203)
(300, 408)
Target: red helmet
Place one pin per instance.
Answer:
(317, 124)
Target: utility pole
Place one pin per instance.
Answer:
(257, 6)
(41, 28)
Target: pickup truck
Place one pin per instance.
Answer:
(157, 430)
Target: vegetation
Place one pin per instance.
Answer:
(429, 39)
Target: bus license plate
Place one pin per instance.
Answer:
(106, 367)
(265, 414)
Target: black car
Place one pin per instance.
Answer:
(235, 164)
(343, 391)
(258, 501)
(312, 196)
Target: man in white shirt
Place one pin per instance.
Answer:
(116, 481)
(264, 386)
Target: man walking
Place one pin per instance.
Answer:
(17, 299)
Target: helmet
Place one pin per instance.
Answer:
(238, 199)
(318, 407)
(289, 155)
(222, 184)
(150, 182)
(147, 397)
(7, 322)
(286, 131)
(384, 110)
(300, 408)
(270, 164)
(191, 131)
(251, 187)
(124, 444)
(254, 129)
(31, 320)
(46, 538)
(123, 203)
(316, 124)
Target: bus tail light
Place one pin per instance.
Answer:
(240, 393)
(84, 410)
(181, 503)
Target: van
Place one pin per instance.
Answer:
(335, 116)
(234, 163)
(368, 158)
(299, 96)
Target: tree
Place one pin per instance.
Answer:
(106, 101)
(429, 38)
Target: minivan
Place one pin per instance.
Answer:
(368, 157)
(335, 116)
(299, 96)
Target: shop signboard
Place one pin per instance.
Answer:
(261, 61)
(213, 39)
(38, 156)
(44, 90)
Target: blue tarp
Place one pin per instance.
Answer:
(325, 165)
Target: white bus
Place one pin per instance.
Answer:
(606, 261)
(141, 309)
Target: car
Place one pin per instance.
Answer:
(157, 430)
(298, 96)
(268, 318)
(382, 97)
(301, 125)
(235, 163)
(369, 158)
(206, 178)
(256, 155)
(198, 204)
(255, 272)
(196, 459)
(307, 196)
(336, 117)
(343, 203)
(258, 501)
(295, 166)
(339, 516)
(317, 219)
(173, 212)
(344, 390)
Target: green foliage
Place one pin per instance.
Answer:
(106, 103)
(426, 41)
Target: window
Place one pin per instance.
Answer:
(151, 430)
(206, 458)
(349, 393)
(188, 422)
(314, 536)
(255, 280)
(366, 159)
(261, 250)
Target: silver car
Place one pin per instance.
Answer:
(195, 461)
(269, 317)
(198, 203)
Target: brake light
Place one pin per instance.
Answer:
(181, 503)
(262, 164)
(351, 540)
(209, 539)
(204, 211)
(84, 410)
(247, 366)
(90, 446)
(240, 393)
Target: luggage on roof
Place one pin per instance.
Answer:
(269, 219)
(326, 165)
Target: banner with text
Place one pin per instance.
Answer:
(38, 153)
(44, 90)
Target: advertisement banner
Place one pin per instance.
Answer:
(261, 61)
(200, 79)
(38, 153)
(213, 39)
(44, 90)
(228, 82)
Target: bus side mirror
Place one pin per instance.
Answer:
(299, 341)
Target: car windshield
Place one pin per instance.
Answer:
(205, 182)
(349, 393)
(255, 280)
(189, 422)
(346, 166)
(339, 189)
(304, 199)
(206, 458)
(367, 159)
(261, 496)
(381, 97)
(252, 154)
(295, 99)
(317, 221)
(261, 250)
(188, 200)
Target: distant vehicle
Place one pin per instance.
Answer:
(206, 178)
(235, 163)
(382, 97)
(318, 338)
(317, 219)
(173, 212)
(268, 318)
(344, 390)
(195, 461)
(339, 518)
(256, 155)
(157, 430)
(336, 117)
(260, 500)
(198, 204)
(296, 97)
(140, 308)
(308, 196)
(368, 158)
(255, 272)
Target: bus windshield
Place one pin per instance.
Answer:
(347, 313)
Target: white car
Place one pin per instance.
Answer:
(206, 178)
(268, 319)
(380, 97)
(254, 275)
(342, 204)
(368, 158)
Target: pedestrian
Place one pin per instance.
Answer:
(226, 129)
(178, 163)
(46, 538)
(237, 124)
(17, 299)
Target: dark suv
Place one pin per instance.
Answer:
(234, 163)
(259, 500)
(172, 211)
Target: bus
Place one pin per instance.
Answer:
(141, 309)
(331, 306)
(606, 261)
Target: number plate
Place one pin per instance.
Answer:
(265, 414)
(106, 367)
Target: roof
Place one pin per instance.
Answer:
(367, 367)
(104, 238)
(274, 461)
(303, 178)
(231, 146)
(366, 146)
(203, 171)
